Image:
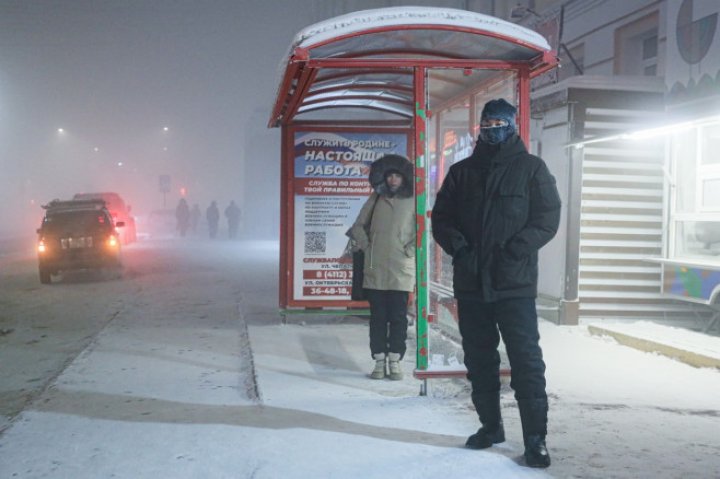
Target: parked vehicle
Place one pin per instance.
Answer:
(75, 235)
(119, 211)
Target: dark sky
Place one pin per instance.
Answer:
(112, 74)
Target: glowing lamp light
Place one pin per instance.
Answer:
(183, 191)
(650, 132)
(663, 130)
(112, 242)
(41, 247)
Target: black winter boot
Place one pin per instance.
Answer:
(536, 453)
(484, 438)
(533, 416)
(492, 431)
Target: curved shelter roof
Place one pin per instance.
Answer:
(364, 60)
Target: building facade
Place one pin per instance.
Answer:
(630, 124)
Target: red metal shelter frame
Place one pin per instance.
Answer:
(368, 72)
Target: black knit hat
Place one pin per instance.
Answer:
(500, 110)
(497, 110)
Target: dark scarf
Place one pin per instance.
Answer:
(487, 155)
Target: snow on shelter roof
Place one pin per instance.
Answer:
(355, 22)
(356, 60)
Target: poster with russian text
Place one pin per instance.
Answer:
(331, 185)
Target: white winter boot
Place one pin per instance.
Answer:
(396, 373)
(379, 371)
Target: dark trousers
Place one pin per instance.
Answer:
(481, 326)
(388, 321)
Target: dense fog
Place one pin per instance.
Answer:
(140, 89)
(110, 96)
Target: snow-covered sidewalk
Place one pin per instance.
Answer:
(132, 406)
(615, 411)
(187, 383)
(313, 375)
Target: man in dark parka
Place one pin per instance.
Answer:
(233, 213)
(493, 213)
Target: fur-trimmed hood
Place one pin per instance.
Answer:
(380, 167)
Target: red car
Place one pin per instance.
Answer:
(119, 211)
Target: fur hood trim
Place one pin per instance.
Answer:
(380, 167)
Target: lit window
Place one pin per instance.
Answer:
(695, 211)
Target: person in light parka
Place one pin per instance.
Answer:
(493, 212)
(385, 231)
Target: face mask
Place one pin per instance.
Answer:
(495, 135)
(494, 132)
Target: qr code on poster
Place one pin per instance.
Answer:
(315, 242)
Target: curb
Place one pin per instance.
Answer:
(688, 357)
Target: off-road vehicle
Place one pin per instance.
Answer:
(77, 234)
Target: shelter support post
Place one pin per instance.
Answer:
(285, 185)
(524, 104)
(421, 258)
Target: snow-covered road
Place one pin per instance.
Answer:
(184, 369)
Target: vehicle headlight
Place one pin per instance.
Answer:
(112, 242)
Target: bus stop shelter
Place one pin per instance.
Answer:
(405, 80)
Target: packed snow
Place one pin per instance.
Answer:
(199, 375)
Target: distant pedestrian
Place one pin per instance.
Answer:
(493, 213)
(195, 215)
(212, 214)
(182, 215)
(232, 213)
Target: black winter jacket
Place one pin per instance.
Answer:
(493, 213)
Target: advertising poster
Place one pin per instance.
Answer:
(331, 185)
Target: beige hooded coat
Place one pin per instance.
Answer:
(385, 231)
